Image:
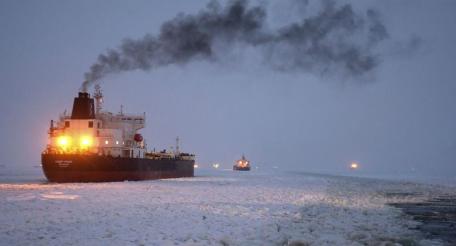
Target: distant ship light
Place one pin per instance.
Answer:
(195, 166)
(354, 165)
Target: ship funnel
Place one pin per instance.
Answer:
(83, 107)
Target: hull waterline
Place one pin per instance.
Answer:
(94, 168)
(235, 168)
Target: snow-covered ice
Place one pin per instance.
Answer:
(216, 208)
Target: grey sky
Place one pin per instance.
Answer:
(399, 119)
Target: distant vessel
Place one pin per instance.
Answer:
(242, 165)
(354, 166)
(92, 145)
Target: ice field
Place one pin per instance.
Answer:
(214, 208)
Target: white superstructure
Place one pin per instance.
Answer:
(102, 133)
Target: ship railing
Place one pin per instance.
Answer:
(57, 151)
(168, 156)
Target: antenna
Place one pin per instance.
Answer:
(98, 95)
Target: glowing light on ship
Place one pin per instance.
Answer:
(86, 141)
(63, 141)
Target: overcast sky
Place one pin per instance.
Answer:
(398, 119)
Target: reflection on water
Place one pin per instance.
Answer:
(59, 196)
(53, 195)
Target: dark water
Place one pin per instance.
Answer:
(437, 216)
(32, 176)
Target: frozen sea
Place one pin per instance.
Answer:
(218, 207)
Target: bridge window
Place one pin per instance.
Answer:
(90, 124)
(67, 124)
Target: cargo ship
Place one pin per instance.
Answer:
(92, 145)
(242, 165)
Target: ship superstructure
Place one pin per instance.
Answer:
(95, 145)
(242, 165)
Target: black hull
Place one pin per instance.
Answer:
(236, 168)
(92, 168)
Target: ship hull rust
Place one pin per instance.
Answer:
(93, 168)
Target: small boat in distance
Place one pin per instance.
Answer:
(242, 165)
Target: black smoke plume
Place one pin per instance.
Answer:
(335, 40)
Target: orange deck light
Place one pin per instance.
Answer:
(86, 141)
(63, 141)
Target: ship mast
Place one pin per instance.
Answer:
(98, 95)
(177, 145)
